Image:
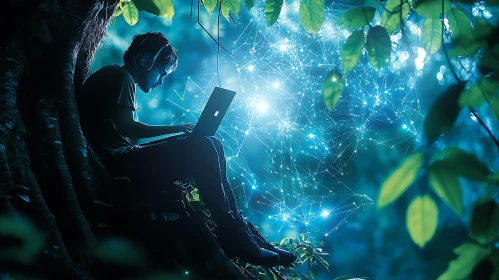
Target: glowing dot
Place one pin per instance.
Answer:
(251, 67)
(253, 187)
(262, 106)
(325, 213)
(311, 136)
(186, 272)
(276, 85)
(404, 126)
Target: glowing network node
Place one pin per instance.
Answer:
(325, 213)
(262, 106)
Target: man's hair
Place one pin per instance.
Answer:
(155, 40)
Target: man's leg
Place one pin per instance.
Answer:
(180, 159)
(229, 193)
(200, 158)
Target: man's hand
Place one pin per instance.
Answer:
(187, 128)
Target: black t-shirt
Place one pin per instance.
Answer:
(108, 88)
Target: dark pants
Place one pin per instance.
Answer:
(158, 165)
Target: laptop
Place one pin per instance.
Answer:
(209, 121)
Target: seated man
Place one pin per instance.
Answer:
(106, 104)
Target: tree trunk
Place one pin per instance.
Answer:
(48, 172)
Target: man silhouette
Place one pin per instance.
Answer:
(106, 104)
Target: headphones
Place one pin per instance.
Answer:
(144, 60)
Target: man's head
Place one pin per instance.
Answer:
(149, 59)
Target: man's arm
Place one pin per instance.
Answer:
(126, 125)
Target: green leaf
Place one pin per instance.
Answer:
(229, 6)
(400, 179)
(210, 5)
(469, 255)
(391, 16)
(476, 95)
(352, 50)
(356, 18)
(432, 8)
(465, 164)
(422, 219)
(130, 13)
(249, 4)
(445, 183)
(379, 47)
(160, 8)
(459, 23)
(443, 113)
(312, 15)
(484, 225)
(469, 44)
(432, 35)
(286, 240)
(332, 88)
(465, 46)
(272, 10)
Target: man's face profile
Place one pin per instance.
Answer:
(149, 80)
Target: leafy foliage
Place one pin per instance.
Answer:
(464, 164)
(445, 183)
(394, 14)
(379, 47)
(443, 113)
(229, 6)
(432, 35)
(485, 89)
(357, 17)
(352, 50)
(332, 88)
(459, 23)
(210, 5)
(309, 251)
(484, 227)
(432, 8)
(272, 10)
(130, 12)
(160, 8)
(249, 4)
(400, 180)
(422, 219)
(312, 15)
(469, 255)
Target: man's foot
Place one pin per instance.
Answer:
(236, 241)
(285, 257)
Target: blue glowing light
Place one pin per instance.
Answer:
(325, 213)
